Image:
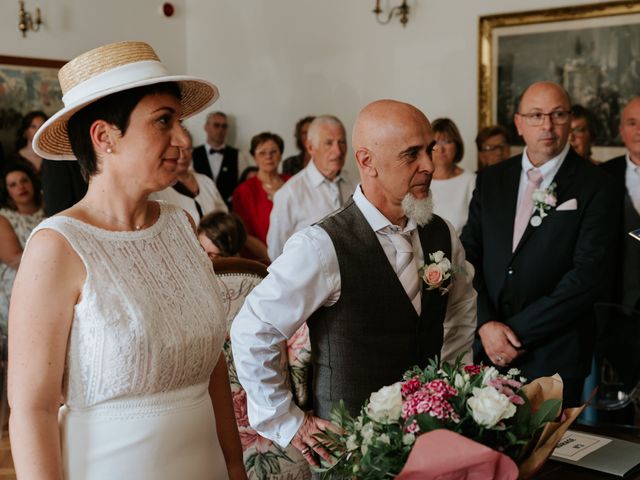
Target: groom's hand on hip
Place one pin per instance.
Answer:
(305, 440)
(500, 343)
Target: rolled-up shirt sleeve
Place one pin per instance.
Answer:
(301, 280)
(460, 320)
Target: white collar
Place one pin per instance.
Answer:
(548, 168)
(374, 217)
(316, 177)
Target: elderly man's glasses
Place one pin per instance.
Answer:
(493, 148)
(219, 125)
(579, 131)
(557, 117)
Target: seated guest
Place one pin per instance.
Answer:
(217, 160)
(583, 132)
(541, 265)
(194, 192)
(493, 145)
(452, 186)
(295, 163)
(222, 234)
(20, 211)
(30, 124)
(253, 199)
(318, 190)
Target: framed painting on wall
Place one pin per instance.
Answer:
(591, 50)
(26, 84)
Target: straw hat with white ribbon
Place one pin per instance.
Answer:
(109, 69)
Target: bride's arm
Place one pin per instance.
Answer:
(228, 436)
(45, 291)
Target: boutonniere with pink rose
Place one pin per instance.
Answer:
(544, 199)
(439, 274)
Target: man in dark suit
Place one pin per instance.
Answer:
(625, 170)
(540, 232)
(620, 327)
(215, 159)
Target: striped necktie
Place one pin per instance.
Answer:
(406, 268)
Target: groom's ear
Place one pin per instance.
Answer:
(364, 159)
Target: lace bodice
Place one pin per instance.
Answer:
(149, 319)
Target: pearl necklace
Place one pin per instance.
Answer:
(112, 218)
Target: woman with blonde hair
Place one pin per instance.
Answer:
(115, 310)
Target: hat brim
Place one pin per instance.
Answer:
(51, 141)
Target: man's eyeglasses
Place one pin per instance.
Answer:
(219, 125)
(557, 117)
(579, 130)
(493, 148)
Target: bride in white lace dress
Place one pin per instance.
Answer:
(115, 312)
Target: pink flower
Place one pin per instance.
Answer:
(297, 342)
(433, 276)
(473, 369)
(240, 408)
(506, 386)
(410, 386)
(550, 199)
(249, 438)
(431, 399)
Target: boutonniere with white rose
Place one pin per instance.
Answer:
(439, 274)
(544, 199)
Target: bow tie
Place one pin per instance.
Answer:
(216, 150)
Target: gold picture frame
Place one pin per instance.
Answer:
(26, 84)
(541, 29)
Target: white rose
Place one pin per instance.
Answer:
(437, 256)
(445, 265)
(408, 438)
(513, 372)
(489, 406)
(352, 443)
(489, 374)
(384, 438)
(385, 405)
(367, 434)
(461, 381)
(538, 196)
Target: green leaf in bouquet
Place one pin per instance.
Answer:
(522, 418)
(426, 422)
(548, 411)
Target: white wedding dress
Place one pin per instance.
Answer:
(146, 335)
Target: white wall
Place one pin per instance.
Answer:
(278, 60)
(75, 26)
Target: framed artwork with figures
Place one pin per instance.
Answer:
(26, 84)
(591, 50)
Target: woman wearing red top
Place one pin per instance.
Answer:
(253, 199)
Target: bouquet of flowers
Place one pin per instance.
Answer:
(474, 401)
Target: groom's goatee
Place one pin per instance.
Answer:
(418, 210)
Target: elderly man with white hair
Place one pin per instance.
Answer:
(316, 191)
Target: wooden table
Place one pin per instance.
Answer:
(553, 470)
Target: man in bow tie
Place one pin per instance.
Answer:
(216, 159)
(353, 277)
(539, 233)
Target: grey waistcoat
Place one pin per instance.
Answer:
(372, 334)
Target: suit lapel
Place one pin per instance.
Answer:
(564, 181)
(506, 209)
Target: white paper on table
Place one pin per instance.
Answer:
(575, 445)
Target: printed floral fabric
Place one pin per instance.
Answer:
(263, 459)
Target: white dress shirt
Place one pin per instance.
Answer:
(208, 197)
(548, 171)
(632, 182)
(451, 198)
(215, 159)
(305, 199)
(304, 278)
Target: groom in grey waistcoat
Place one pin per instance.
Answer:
(353, 277)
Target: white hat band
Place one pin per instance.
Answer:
(126, 74)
